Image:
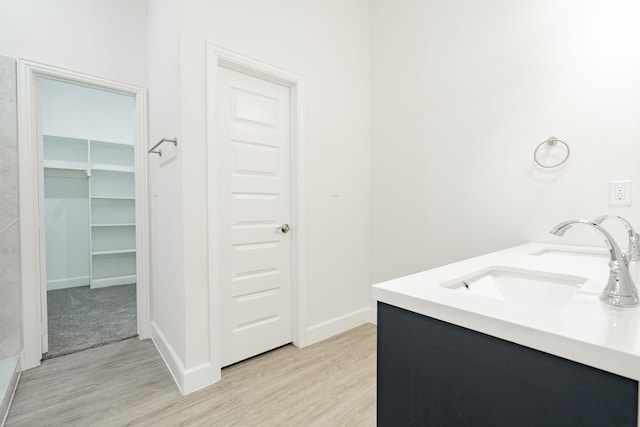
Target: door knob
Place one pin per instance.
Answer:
(284, 228)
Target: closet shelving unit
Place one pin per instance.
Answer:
(110, 169)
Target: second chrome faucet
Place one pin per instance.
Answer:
(633, 251)
(621, 290)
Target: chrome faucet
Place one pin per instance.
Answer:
(620, 289)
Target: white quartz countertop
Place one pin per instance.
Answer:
(581, 328)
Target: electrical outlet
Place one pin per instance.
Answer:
(620, 192)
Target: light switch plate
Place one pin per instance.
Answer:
(335, 188)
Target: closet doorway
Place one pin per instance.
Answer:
(32, 205)
(89, 174)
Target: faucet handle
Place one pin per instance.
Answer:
(633, 249)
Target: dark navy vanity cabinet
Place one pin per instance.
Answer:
(433, 373)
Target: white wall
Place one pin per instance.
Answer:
(106, 38)
(76, 111)
(462, 93)
(167, 253)
(66, 218)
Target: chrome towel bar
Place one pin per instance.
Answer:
(159, 152)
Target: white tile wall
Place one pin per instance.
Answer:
(9, 234)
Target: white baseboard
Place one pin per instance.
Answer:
(338, 325)
(113, 281)
(187, 380)
(69, 282)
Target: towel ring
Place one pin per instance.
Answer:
(551, 141)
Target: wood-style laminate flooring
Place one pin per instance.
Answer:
(332, 383)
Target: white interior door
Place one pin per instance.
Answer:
(253, 171)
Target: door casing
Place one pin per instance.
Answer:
(219, 57)
(31, 200)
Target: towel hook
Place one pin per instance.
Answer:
(552, 140)
(156, 150)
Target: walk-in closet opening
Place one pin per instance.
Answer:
(89, 174)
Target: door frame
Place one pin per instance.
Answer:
(31, 199)
(220, 57)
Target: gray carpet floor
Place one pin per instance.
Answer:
(81, 318)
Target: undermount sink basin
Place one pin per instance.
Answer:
(562, 253)
(526, 287)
